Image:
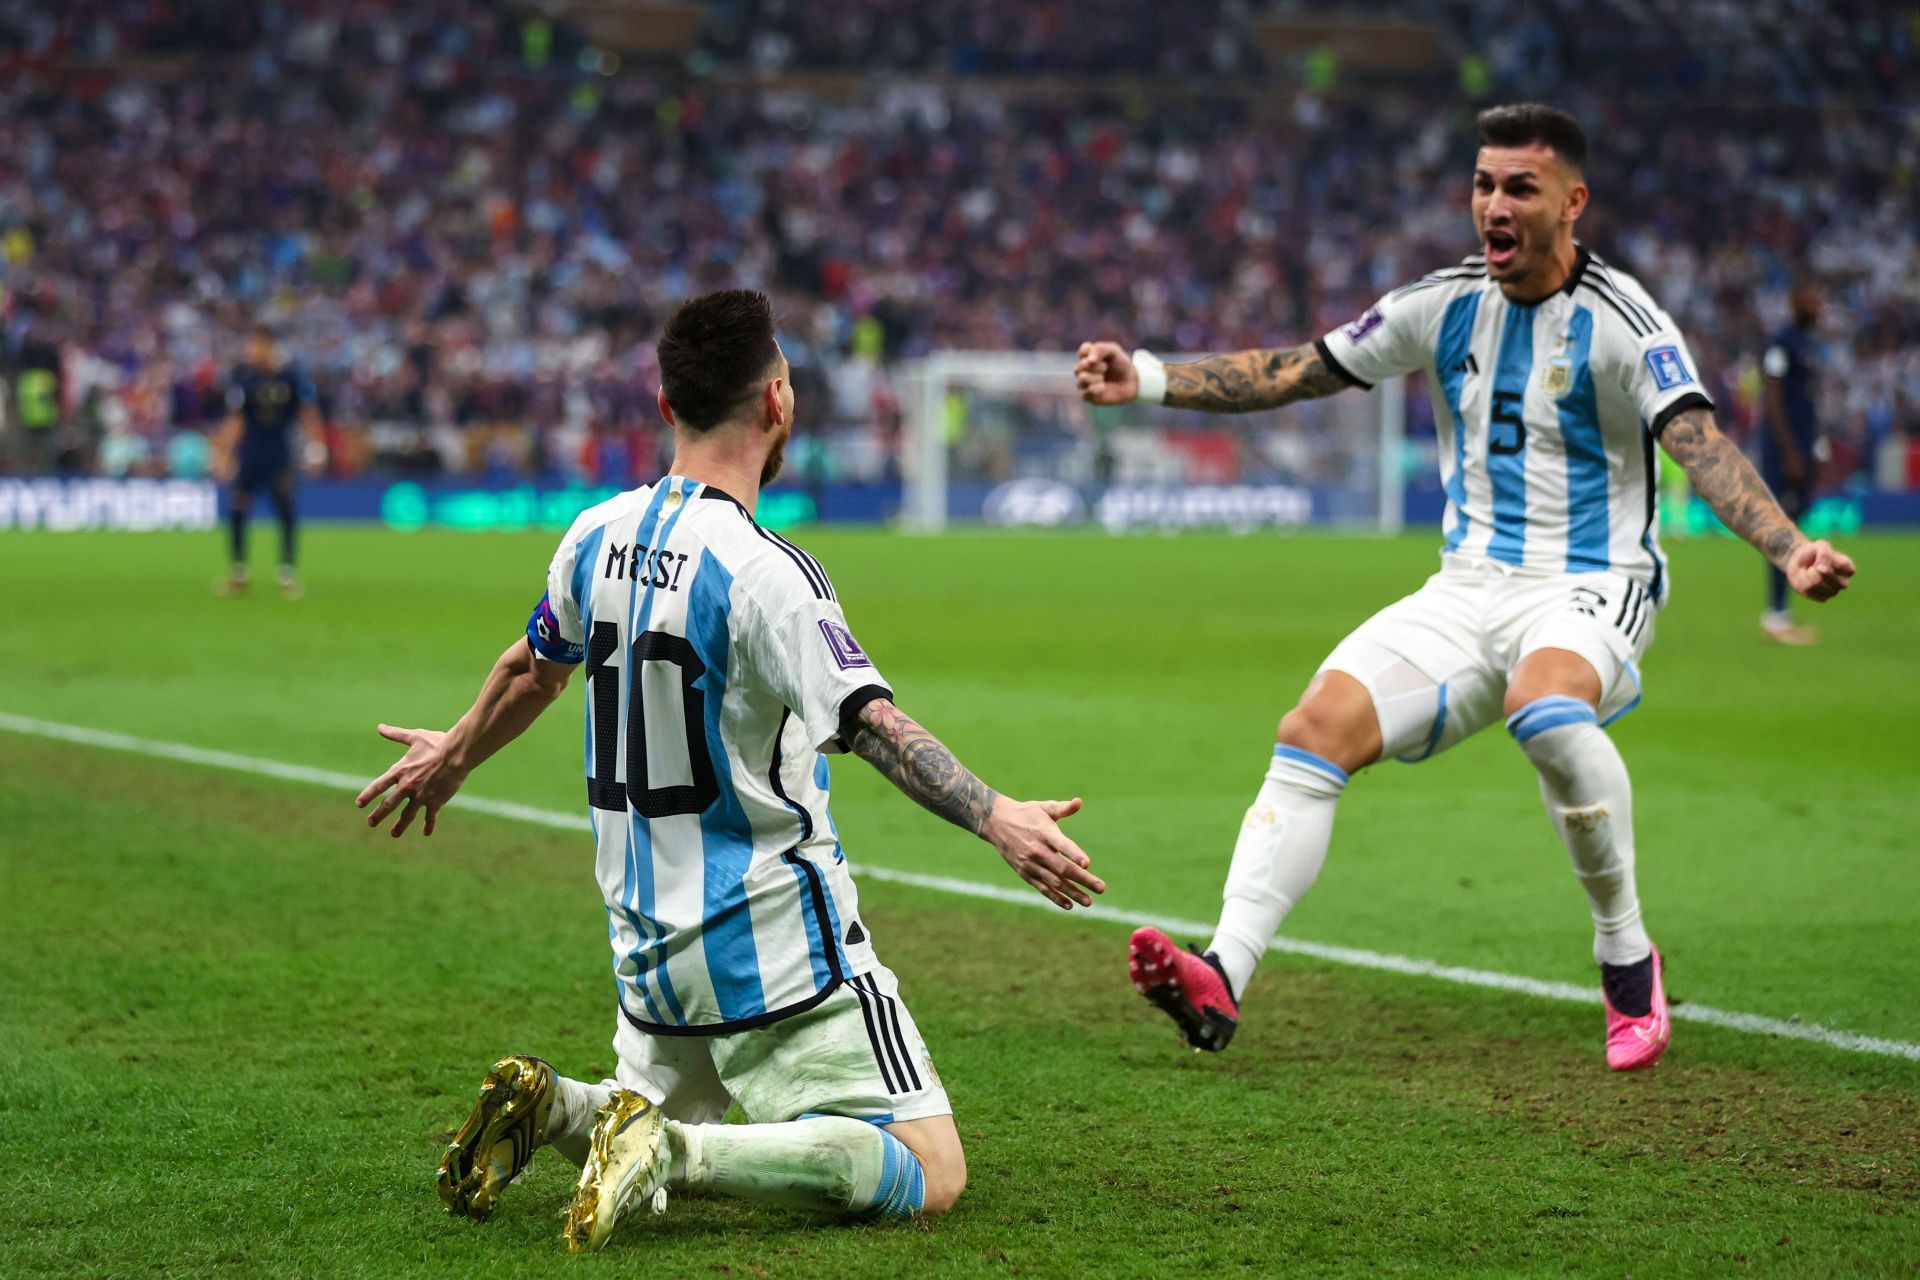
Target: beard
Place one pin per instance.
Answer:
(776, 458)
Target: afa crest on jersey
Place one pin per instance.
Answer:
(1558, 379)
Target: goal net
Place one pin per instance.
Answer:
(1003, 438)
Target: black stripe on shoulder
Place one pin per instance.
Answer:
(1626, 317)
(815, 584)
(1420, 286)
(1640, 313)
(819, 573)
(721, 495)
(1607, 278)
(1450, 275)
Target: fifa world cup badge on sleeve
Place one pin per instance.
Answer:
(1669, 370)
(1369, 320)
(846, 650)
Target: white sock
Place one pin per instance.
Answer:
(1282, 844)
(831, 1163)
(570, 1123)
(1584, 782)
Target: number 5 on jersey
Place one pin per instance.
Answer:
(1506, 430)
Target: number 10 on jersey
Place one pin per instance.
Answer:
(605, 790)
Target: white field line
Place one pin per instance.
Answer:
(1751, 1023)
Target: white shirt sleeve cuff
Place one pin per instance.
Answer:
(1152, 372)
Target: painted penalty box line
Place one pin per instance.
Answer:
(1354, 957)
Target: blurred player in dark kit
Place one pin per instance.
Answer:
(268, 400)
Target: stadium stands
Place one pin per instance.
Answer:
(469, 223)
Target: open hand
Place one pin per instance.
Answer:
(1027, 833)
(1105, 374)
(423, 778)
(1817, 571)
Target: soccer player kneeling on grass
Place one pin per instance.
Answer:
(1554, 376)
(719, 668)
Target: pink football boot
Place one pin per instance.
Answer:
(1639, 1042)
(1185, 986)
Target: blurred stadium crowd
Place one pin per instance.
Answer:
(466, 222)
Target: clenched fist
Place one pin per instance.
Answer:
(1106, 374)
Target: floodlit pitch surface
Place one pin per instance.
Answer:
(236, 1026)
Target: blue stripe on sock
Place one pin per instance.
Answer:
(1311, 761)
(1547, 713)
(903, 1183)
(885, 1118)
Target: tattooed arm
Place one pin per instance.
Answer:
(1721, 474)
(1027, 833)
(1238, 382)
(1246, 380)
(920, 765)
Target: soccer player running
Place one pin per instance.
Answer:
(1557, 374)
(719, 668)
(1789, 440)
(269, 399)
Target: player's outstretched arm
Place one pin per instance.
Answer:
(516, 691)
(1027, 833)
(1238, 382)
(1721, 474)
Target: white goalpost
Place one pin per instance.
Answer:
(1001, 437)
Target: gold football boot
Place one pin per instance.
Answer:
(626, 1165)
(506, 1126)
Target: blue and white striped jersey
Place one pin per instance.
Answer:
(718, 664)
(1547, 414)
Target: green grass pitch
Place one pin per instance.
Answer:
(235, 1026)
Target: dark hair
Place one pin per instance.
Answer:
(715, 351)
(1518, 123)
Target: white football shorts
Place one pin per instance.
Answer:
(857, 1054)
(1437, 661)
